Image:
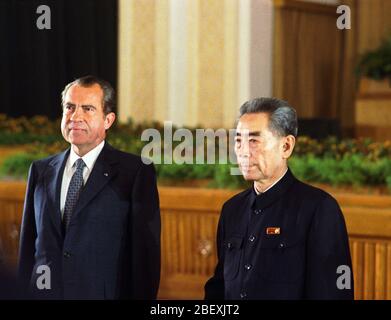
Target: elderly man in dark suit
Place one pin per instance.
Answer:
(281, 238)
(91, 220)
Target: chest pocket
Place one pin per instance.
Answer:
(233, 252)
(282, 260)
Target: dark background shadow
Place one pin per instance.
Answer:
(36, 64)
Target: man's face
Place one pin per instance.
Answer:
(83, 122)
(259, 151)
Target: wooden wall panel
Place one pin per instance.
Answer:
(371, 267)
(10, 221)
(374, 23)
(188, 249)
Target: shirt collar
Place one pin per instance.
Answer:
(271, 186)
(89, 158)
(275, 192)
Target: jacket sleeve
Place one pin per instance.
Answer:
(28, 233)
(145, 232)
(329, 270)
(214, 287)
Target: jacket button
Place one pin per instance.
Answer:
(252, 238)
(229, 245)
(243, 295)
(281, 245)
(67, 254)
(257, 211)
(248, 266)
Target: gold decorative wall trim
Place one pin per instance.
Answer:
(125, 37)
(161, 60)
(143, 60)
(190, 62)
(178, 59)
(230, 76)
(193, 67)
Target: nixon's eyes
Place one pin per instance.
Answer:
(88, 108)
(72, 108)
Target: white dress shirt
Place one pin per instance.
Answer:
(258, 192)
(70, 168)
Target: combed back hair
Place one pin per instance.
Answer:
(109, 100)
(282, 117)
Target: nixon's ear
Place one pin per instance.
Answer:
(109, 120)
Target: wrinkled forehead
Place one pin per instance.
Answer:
(92, 95)
(254, 124)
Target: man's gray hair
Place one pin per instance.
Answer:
(282, 117)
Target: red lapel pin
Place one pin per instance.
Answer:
(273, 230)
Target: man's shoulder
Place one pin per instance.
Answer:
(311, 193)
(127, 158)
(44, 162)
(299, 190)
(237, 199)
(308, 189)
(123, 154)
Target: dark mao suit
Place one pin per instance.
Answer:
(111, 249)
(256, 260)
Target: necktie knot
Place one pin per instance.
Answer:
(80, 164)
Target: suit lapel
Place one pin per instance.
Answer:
(53, 179)
(104, 170)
